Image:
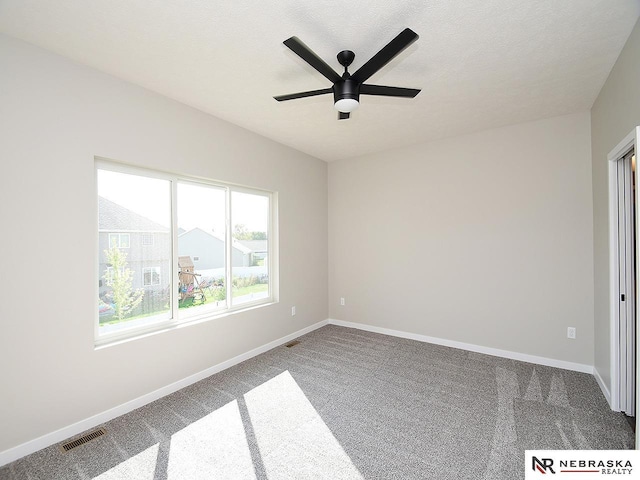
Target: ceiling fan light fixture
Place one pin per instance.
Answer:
(346, 105)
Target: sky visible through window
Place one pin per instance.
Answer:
(134, 192)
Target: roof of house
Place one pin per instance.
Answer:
(116, 218)
(184, 261)
(237, 245)
(254, 245)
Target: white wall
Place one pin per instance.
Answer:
(55, 116)
(614, 114)
(484, 239)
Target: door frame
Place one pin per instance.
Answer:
(619, 152)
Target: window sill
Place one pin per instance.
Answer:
(128, 336)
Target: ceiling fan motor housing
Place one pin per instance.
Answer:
(346, 89)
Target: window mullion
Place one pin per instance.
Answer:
(228, 281)
(173, 284)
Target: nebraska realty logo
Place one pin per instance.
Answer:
(569, 464)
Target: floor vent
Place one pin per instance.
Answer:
(292, 344)
(82, 440)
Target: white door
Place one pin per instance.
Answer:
(625, 168)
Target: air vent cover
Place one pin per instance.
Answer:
(82, 440)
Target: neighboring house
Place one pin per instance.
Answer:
(258, 249)
(145, 242)
(207, 251)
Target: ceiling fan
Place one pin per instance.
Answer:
(347, 88)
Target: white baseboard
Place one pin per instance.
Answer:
(49, 439)
(550, 362)
(603, 387)
(44, 441)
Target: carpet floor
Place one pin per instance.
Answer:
(348, 404)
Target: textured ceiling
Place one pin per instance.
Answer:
(479, 63)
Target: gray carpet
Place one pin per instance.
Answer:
(348, 404)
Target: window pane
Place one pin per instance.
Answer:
(201, 248)
(130, 207)
(249, 260)
(151, 276)
(125, 241)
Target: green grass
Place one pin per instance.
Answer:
(191, 302)
(257, 288)
(112, 320)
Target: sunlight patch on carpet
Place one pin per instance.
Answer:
(293, 439)
(139, 467)
(213, 447)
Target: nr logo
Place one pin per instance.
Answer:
(542, 465)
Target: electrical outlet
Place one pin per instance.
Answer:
(342, 301)
(571, 332)
(293, 311)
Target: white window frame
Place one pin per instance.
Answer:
(174, 319)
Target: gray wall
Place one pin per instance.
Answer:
(56, 116)
(614, 114)
(488, 239)
(483, 239)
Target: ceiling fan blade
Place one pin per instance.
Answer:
(310, 93)
(388, 91)
(312, 59)
(384, 56)
(343, 115)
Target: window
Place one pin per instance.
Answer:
(250, 272)
(119, 240)
(126, 300)
(150, 276)
(174, 249)
(147, 239)
(111, 275)
(202, 214)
